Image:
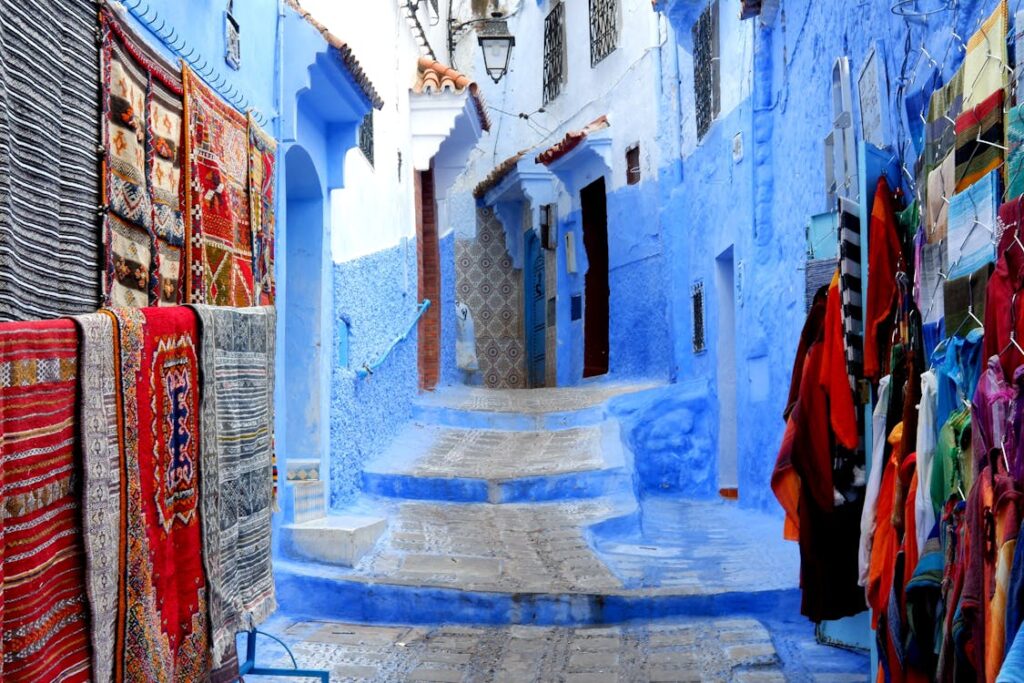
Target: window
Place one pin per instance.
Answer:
(633, 165)
(554, 52)
(697, 299)
(366, 137)
(706, 74)
(604, 29)
(548, 227)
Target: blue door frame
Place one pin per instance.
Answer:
(534, 302)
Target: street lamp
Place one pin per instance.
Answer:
(495, 42)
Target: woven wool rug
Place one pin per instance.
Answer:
(262, 173)
(49, 174)
(162, 611)
(44, 616)
(144, 230)
(220, 243)
(237, 362)
(101, 501)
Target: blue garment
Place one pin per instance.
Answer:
(957, 365)
(1013, 665)
(932, 334)
(1015, 594)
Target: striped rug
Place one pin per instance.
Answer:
(236, 485)
(49, 175)
(850, 285)
(44, 613)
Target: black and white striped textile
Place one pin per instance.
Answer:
(850, 286)
(49, 174)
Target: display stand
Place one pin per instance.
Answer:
(249, 665)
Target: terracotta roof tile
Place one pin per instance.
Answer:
(348, 58)
(433, 77)
(498, 174)
(571, 140)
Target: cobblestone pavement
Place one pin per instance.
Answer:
(530, 402)
(739, 649)
(424, 451)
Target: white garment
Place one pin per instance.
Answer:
(924, 511)
(465, 342)
(868, 516)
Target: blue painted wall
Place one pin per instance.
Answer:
(450, 373)
(377, 294)
(761, 204)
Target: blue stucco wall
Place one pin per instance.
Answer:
(761, 204)
(449, 329)
(377, 294)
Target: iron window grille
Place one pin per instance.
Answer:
(633, 165)
(554, 52)
(706, 73)
(697, 300)
(366, 137)
(604, 29)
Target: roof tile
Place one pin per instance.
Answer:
(433, 77)
(571, 140)
(498, 174)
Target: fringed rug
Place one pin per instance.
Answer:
(101, 503)
(262, 172)
(237, 417)
(44, 613)
(220, 241)
(49, 174)
(144, 232)
(162, 611)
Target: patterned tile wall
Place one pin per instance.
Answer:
(493, 290)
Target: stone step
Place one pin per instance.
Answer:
(521, 409)
(472, 465)
(340, 540)
(586, 562)
(303, 501)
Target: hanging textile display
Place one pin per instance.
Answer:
(162, 611)
(142, 128)
(220, 242)
(237, 350)
(101, 476)
(980, 138)
(44, 624)
(986, 65)
(49, 176)
(1015, 152)
(850, 286)
(262, 179)
(972, 223)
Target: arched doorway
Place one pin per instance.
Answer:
(304, 369)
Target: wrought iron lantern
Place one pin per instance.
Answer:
(496, 43)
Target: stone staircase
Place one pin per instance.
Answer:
(521, 507)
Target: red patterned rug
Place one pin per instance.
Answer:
(44, 615)
(162, 629)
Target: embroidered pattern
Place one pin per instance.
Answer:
(262, 177)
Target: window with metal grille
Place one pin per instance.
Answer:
(366, 137)
(633, 165)
(554, 51)
(697, 299)
(706, 85)
(604, 29)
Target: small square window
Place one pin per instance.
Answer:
(604, 29)
(554, 51)
(366, 137)
(633, 165)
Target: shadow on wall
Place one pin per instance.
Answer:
(670, 432)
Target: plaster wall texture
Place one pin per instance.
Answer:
(377, 294)
(760, 204)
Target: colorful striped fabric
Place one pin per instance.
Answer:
(49, 170)
(162, 611)
(44, 616)
(986, 65)
(237, 482)
(262, 179)
(980, 139)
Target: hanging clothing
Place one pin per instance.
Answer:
(869, 515)
(833, 378)
(957, 365)
(1004, 303)
(924, 511)
(884, 253)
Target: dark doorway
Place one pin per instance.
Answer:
(595, 305)
(428, 258)
(535, 301)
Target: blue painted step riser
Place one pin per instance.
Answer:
(313, 597)
(573, 485)
(479, 419)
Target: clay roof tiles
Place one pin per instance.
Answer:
(348, 57)
(571, 140)
(433, 77)
(498, 174)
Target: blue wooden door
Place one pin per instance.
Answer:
(534, 302)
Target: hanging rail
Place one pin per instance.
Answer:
(368, 368)
(169, 37)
